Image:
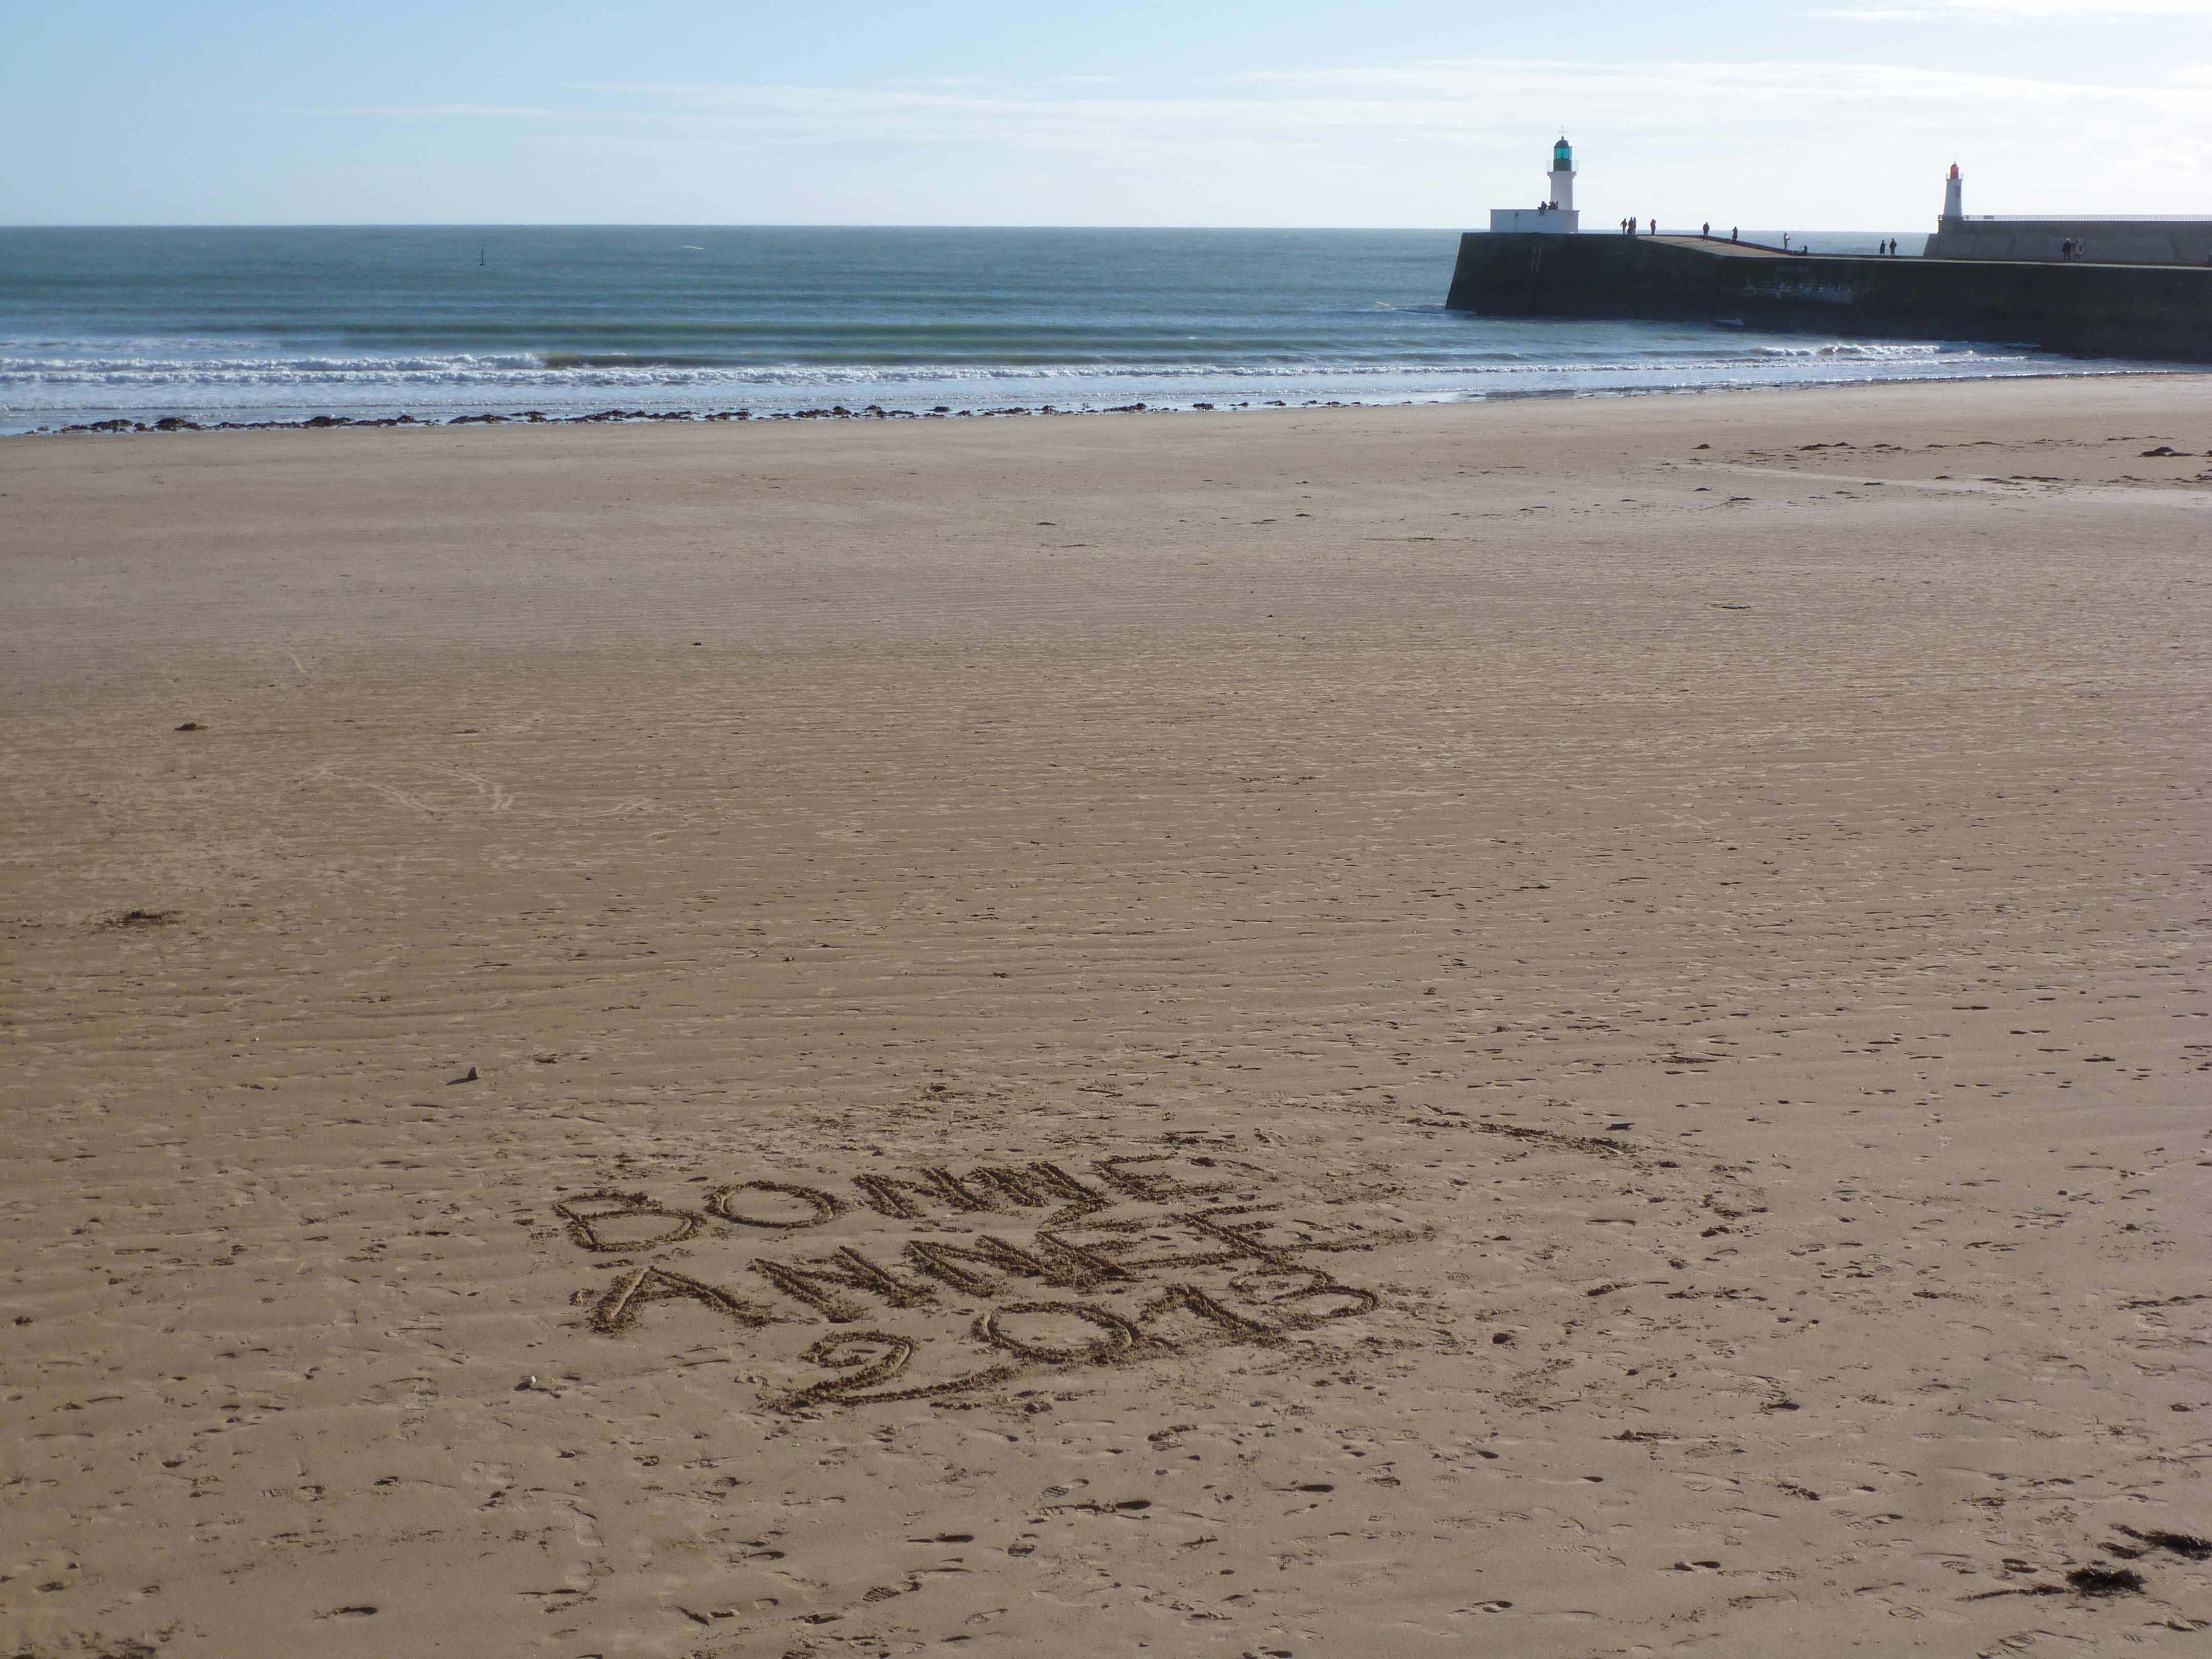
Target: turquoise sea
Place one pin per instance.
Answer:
(268, 324)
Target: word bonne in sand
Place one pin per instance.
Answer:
(1145, 1261)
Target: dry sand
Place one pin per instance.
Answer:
(1589, 1044)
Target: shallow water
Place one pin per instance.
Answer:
(286, 324)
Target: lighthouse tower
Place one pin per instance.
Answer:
(1555, 214)
(1562, 198)
(1953, 198)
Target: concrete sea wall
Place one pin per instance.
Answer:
(2101, 241)
(2157, 314)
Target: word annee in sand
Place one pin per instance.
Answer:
(1122, 1262)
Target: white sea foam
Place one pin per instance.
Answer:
(509, 371)
(220, 390)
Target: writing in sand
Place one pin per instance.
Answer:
(948, 1282)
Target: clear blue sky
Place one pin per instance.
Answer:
(1835, 114)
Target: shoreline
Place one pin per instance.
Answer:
(255, 330)
(126, 426)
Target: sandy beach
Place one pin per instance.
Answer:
(1558, 1028)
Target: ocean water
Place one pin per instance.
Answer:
(285, 324)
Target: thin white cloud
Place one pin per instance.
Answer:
(1471, 101)
(1463, 97)
(1492, 95)
(1797, 135)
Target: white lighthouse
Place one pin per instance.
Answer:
(1955, 195)
(1555, 214)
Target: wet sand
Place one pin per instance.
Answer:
(1554, 1029)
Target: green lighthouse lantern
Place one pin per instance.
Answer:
(1560, 198)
